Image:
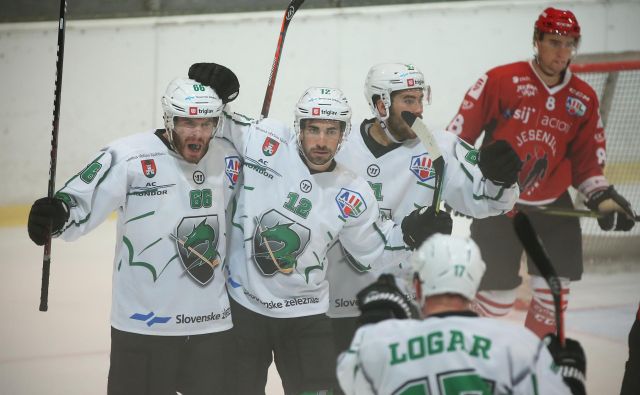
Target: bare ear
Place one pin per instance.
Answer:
(381, 108)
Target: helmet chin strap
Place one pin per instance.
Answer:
(383, 124)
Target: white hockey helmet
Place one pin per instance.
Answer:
(323, 103)
(385, 78)
(190, 99)
(448, 264)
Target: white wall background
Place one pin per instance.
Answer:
(115, 71)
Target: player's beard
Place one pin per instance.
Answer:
(399, 128)
(192, 149)
(319, 155)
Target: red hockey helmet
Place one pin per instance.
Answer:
(556, 21)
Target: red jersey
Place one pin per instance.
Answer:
(557, 132)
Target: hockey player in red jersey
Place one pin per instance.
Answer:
(551, 118)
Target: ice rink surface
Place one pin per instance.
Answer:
(66, 350)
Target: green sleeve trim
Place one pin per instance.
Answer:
(466, 145)
(466, 172)
(497, 197)
(386, 246)
(424, 184)
(234, 209)
(238, 118)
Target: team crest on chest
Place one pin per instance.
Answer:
(277, 242)
(232, 168)
(575, 107)
(197, 244)
(270, 146)
(148, 167)
(350, 203)
(422, 166)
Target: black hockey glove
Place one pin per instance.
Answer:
(382, 300)
(619, 214)
(218, 77)
(571, 361)
(500, 163)
(46, 214)
(422, 223)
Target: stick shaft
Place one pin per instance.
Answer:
(46, 260)
(534, 247)
(293, 6)
(564, 211)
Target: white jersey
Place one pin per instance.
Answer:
(460, 352)
(171, 216)
(402, 179)
(288, 217)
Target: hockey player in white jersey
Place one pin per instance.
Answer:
(452, 350)
(385, 152)
(295, 203)
(170, 312)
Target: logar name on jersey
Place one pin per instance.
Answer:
(438, 342)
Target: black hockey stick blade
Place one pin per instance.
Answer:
(535, 249)
(430, 143)
(293, 6)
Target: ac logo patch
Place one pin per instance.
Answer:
(422, 166)
(350, 203)
(270, 146)
(232, 168)
(148, 167)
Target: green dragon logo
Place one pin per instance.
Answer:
(198, 248)
(277, 243)
(203, 233)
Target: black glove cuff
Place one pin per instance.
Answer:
(395, 302)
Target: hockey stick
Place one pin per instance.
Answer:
(564, 211)
(46, 259)
(429, 142)
(534, 247)
(192, 250)
(293, 6)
